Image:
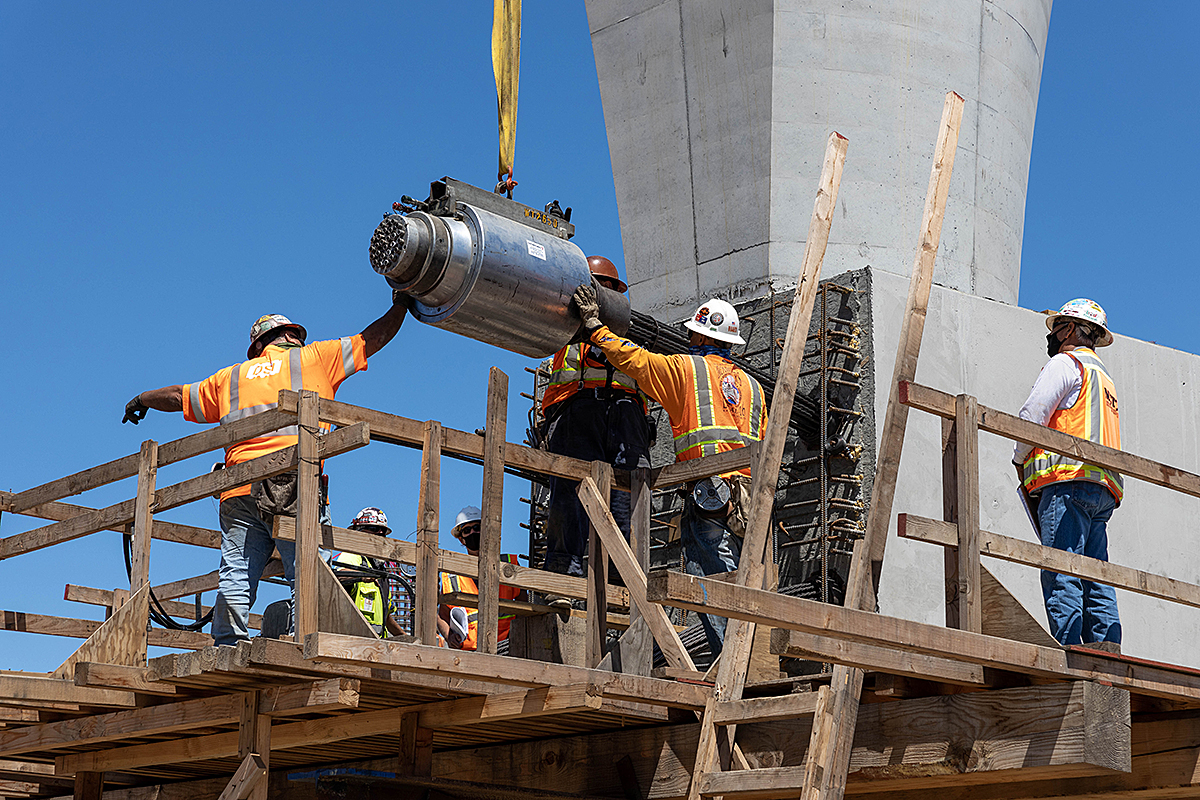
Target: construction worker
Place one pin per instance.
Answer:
(596, 413)
(714, 407)
(370, 593)
(458, 626)
(1075, 394)
(278, 358)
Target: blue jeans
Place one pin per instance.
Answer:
(709, 548)
(246, 546)
(1073, 516)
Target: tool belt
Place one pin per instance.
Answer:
(277, 496)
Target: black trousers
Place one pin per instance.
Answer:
(593, 429)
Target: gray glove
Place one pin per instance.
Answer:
(589, 308)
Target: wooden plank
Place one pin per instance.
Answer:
(334, 538)
(426, 609)
(89, 786)
(208, 581)
(329, 696)
(143, 516)
(308, 509)
(766, 709)
(501, 669)
(165, 531)
(336, 612)
(169, 453)
(122, 639)
(333, 443)
(85, 628)
(634, 651)
(874, 658)
(510, 705)
(966, 423)
(1004, 616)
(1012, 427)
(105, 598)
(597, 570)
(114, 676)
(950, 514)
(631, 572)
(687, 471)
(739, 636)
(495, 429)
(249, 773)
(254, 738)
(46, 689)
(1020, 551)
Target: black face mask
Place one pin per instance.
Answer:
(1053, 345)
(471, 540)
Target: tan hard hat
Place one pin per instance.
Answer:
(599, 265)
(270, 322)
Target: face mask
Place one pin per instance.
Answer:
(471, 540)
(1053, 345)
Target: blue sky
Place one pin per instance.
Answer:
(168, 174)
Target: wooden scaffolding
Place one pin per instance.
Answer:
(988, 706)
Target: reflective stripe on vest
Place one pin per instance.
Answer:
(367, 595)
(567, 376)
(295, 371)
(707, 434)
(1094, 416)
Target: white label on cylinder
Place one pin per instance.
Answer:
(536, 250)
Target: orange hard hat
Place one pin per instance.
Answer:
(599, 265)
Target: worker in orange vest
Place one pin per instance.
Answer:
(458, 626)
(714, 407)
(1075, 394)
(278, 358)
(596, 413)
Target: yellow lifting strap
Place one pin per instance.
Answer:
(506, 64)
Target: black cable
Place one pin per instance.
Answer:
(157, 612)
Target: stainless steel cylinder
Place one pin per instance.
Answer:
(489, 278)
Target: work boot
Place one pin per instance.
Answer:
(1107, 647)
(557, 601)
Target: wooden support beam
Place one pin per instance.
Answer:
(47, 689)
(526, 704)
(950, 515)
(501, 669)
(1031, 554)
(113, 676)
(120, 514)
(249, 773)
(208, 581)
(143, 516)
(121, 639)
(597, 569)
(634, 651)
(254, 729)
(875, 658)
(105, 598)
(336, 611)
(966, 424)
(308, 512)
(766, 709)
(89, 786)
(631, 572)
(163, 531)
(84, 628)
(739, 635)
(416, 746)
(428, 581)
(688, 471)
(495, 430)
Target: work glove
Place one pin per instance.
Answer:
(460, 627)
(589, 308)
(135, 410)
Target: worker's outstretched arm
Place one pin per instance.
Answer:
(168, 398)
(382, 330)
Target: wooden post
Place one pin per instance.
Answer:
(638, 657)
(308, 500)
(829, 755)
(89, 785)
(254, 738)
(416, 747)
(492, 508)
(597, 573)
(950, 514)
(426, 610)
(970, 602)
(716, 743)
(143, 513)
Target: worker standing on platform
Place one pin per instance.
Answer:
(1075, 394)
(370, 593)
(596, 413)
(714, 407)
(278, 358)
(458, 626)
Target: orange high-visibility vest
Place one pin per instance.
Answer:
(253, 386)
(1094, 417)
(452, 583)
(726, 410)
(572, 369)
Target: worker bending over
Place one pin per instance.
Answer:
(714, 407)
(1075, 394)
(458, 626)
(365, 579)
(278, 358)
(596, 413)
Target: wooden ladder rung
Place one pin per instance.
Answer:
(766, 709)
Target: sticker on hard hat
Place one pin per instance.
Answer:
(730, 390)
(717, 318)
(702, 315)
(536, 250)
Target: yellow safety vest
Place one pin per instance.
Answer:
(1095, 417)
(367, 595)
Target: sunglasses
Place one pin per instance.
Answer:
(467, 530)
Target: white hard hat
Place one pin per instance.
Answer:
(1088, 311)
(468, 514)
(371, 517)
(717, 319)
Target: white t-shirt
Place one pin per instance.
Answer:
(1057, 386)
